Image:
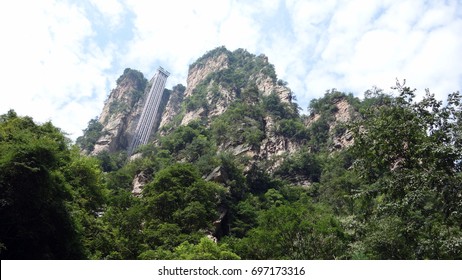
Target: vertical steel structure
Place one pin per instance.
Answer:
(149, 113)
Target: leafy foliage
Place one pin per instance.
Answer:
(303, 164)
(36, 223)
(394, 194)
(206, 249)
(409, 155)
(241, 123)
(178, 194)
(298, 230)
(90, 135)
(133, 75)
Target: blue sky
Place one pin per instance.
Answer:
(60, 59)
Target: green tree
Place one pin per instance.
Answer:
(90, 135)
(36, 223)
(294, 231)
(304, 164)
(409, 155)
(179, 194)
(206, 249)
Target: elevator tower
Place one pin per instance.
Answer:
(150, 109)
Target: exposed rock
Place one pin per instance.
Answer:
(271, 149)
(193, 115)
(211, 237)
(121, 112)
(217, 175)
(220, 101)
(304, 183)
(243, 150)
(173, 107)
(312, 118)
(274, 146)
(267, 86)
(125, 103)
(343, 141)
(140, 180)
(197, 74)
(218, 97)
(201, 70)
(343, 113)
(135, 156)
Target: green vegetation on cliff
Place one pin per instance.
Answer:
(377, 178)
(394, 194)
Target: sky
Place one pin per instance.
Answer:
(61, 59)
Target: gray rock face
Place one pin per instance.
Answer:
(342, 115)
(120, 114)
(200, 71)
(140, 180)
(274, 146)
(219, 97)
(173, 107)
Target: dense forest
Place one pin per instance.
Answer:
(394, 193)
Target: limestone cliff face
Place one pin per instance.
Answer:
(204, 67)
(123, 108)
(339, 135)
(121, 112)
(267, 85)
(215, 81)
(259, 134)
(215, 97)
(343, 115)
(219, 79)
(274, 146)
(172, 108)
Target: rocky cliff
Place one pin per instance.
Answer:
(121, 112)
(221, 78)
(215, 81)
(237, 98)
(335, 118)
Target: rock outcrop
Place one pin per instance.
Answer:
(267, 85)
(204, 67)
(343, 115)
(217, 80)
(172, 108)
(121, 112)
(211, 86)
(140, 180)
(274, 146)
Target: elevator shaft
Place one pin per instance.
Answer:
(148, 115)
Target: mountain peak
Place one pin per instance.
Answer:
(215, 81)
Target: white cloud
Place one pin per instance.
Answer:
(111, 10)
(59, 56)
(175, 33)
(47, 64)
(366, 43)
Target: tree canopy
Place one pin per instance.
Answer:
(394, 192)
